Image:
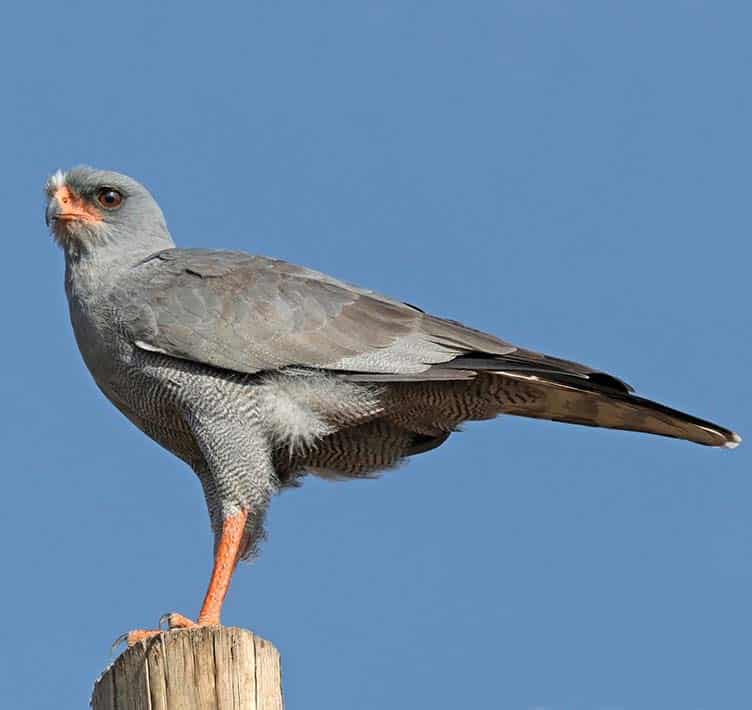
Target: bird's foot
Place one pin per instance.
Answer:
(174, 620)
(171, 621)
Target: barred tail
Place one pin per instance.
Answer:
(576, 401)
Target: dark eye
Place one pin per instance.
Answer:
(109, 198)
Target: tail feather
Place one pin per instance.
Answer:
(575, 401)
(524, 383)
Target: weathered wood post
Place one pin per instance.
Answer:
(208, 668)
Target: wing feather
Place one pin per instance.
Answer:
(249, 314)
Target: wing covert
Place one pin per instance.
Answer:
(248, 313)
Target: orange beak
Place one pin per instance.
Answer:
(66, 206)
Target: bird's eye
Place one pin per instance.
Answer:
(109, 198)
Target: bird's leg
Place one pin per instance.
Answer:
(226, 558)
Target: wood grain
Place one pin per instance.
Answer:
(207, 668)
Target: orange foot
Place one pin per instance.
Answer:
(173, 621)
(231, 543)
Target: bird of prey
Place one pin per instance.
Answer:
(255, 371)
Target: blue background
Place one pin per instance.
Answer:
(574, 177)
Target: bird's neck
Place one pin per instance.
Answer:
(93, 273)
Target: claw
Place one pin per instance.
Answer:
(123, 638)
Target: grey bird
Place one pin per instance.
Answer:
(255, 371)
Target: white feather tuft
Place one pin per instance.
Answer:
(54, 182)
(304, 407)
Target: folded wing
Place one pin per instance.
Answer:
(248, 313)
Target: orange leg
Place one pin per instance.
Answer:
(226, 560)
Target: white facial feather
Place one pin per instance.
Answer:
(55, 182)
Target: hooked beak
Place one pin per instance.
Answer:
(66, 206)
(52, 212)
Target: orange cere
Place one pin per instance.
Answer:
(73, 208)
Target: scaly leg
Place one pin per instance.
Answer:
(226, 558)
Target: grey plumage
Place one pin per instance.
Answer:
(255, 371)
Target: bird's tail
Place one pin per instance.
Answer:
(573, 400)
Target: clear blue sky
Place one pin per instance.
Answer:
(573, 176)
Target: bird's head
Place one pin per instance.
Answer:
(89, 210)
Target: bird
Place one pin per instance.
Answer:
(256, 372)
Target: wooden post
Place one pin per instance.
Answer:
(207, 668)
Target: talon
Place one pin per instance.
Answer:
(123, 638)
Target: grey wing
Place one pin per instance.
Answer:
(249, 314)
